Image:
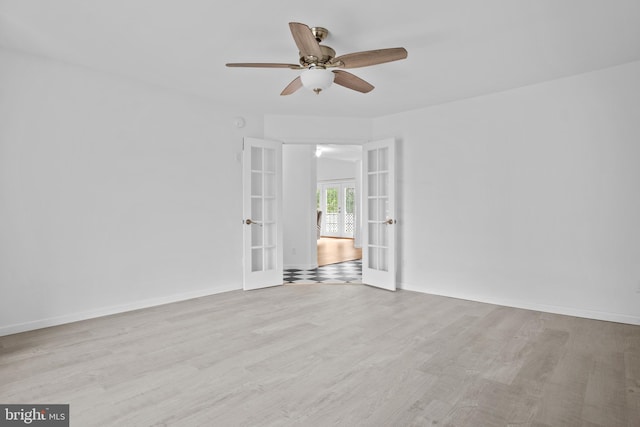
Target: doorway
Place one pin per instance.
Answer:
(338, 202)
(374, 191)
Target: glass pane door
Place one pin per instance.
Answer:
(263, 203)
(378, 267)
(332, 211)
(337, 201)
(349, 211)
(378, 198)
(262, 181)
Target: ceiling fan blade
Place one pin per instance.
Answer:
(292, 87)
(263, 65)
(350, 81)
(370, 57)
(305, 40)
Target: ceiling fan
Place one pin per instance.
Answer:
(317, 60)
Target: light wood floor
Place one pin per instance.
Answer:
(332, 250)
(324, 355)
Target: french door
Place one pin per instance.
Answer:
(337, 201)
(379, 220)
(262, 213)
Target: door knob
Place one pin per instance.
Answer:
(250, 221)
(390, 221)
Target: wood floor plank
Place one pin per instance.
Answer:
(334, 249)
(317, 355)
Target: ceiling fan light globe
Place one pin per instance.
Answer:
(317, 79)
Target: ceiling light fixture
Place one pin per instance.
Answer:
(317, 79)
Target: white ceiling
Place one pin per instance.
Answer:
(457, 49)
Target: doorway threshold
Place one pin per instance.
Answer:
(348, 272)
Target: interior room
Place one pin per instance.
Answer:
(158, 161)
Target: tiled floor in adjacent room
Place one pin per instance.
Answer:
(343, 272)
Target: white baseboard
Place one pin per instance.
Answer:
(569, 311)
(106, 311)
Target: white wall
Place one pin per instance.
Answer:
(299, 206)
(333, 169)
(113, 194)
(317, 130)
(527, 198)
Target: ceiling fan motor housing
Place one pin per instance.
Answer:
(327, 55)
